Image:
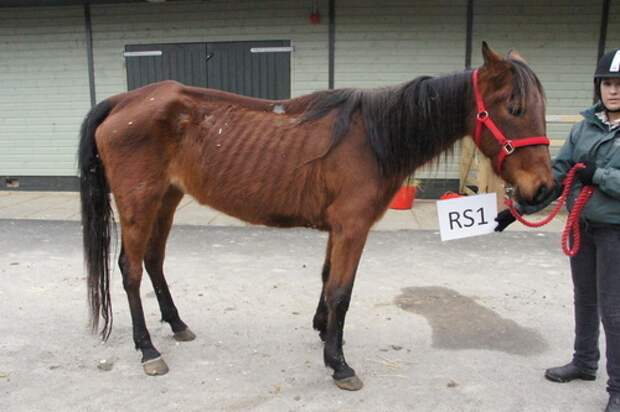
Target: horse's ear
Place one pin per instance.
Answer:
(495, 67)
(490, 57)
(515, 55)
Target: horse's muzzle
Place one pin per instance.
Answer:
(543, 197)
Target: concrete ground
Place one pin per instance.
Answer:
(465, 325)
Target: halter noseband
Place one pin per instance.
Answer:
(507, 146)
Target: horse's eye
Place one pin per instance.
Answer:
(515, 110)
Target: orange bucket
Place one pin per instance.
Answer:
(403, 199)
(449, 195)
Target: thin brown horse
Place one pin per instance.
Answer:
(331, 160)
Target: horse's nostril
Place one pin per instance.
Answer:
(541, 194)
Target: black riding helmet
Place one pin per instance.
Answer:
(608, 66)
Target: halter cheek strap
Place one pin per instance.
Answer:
(507, 146)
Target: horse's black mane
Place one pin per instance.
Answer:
(409, 124)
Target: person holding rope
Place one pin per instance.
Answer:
(594, 143)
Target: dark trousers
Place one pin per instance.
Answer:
(596, 280)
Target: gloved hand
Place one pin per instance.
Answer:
(503, 219)
(586, 174)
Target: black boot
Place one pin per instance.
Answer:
(568, 373)
(614, 403)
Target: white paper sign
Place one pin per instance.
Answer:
(467, 216)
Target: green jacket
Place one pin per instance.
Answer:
(591, 141)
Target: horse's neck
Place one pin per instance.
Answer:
(435, 116)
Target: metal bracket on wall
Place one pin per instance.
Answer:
(288, 49)
(148, 53)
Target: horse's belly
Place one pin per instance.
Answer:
(269, 204)
(259, 214)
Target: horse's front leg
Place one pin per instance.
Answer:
(347, 244)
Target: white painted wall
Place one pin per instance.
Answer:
(613, 28)
(396, 41)
(43, 89)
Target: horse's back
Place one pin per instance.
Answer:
(168, 107)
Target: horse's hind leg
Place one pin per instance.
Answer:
(154, 264)
(137, 215)
(319, 322)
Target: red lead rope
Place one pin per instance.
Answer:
(571, 229)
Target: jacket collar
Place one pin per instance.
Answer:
(591, 117)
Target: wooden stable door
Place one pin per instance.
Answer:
(253, 68)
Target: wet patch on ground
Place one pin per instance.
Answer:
(459, 322)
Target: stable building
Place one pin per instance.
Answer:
(59, 57)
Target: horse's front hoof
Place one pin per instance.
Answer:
(185, 335)
(155, 367)
(352, 383)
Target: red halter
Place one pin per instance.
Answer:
(507, 146)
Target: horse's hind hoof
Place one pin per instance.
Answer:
(155, 367)
(352, 383)
(185, 335)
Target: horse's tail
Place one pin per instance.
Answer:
(96, 220)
